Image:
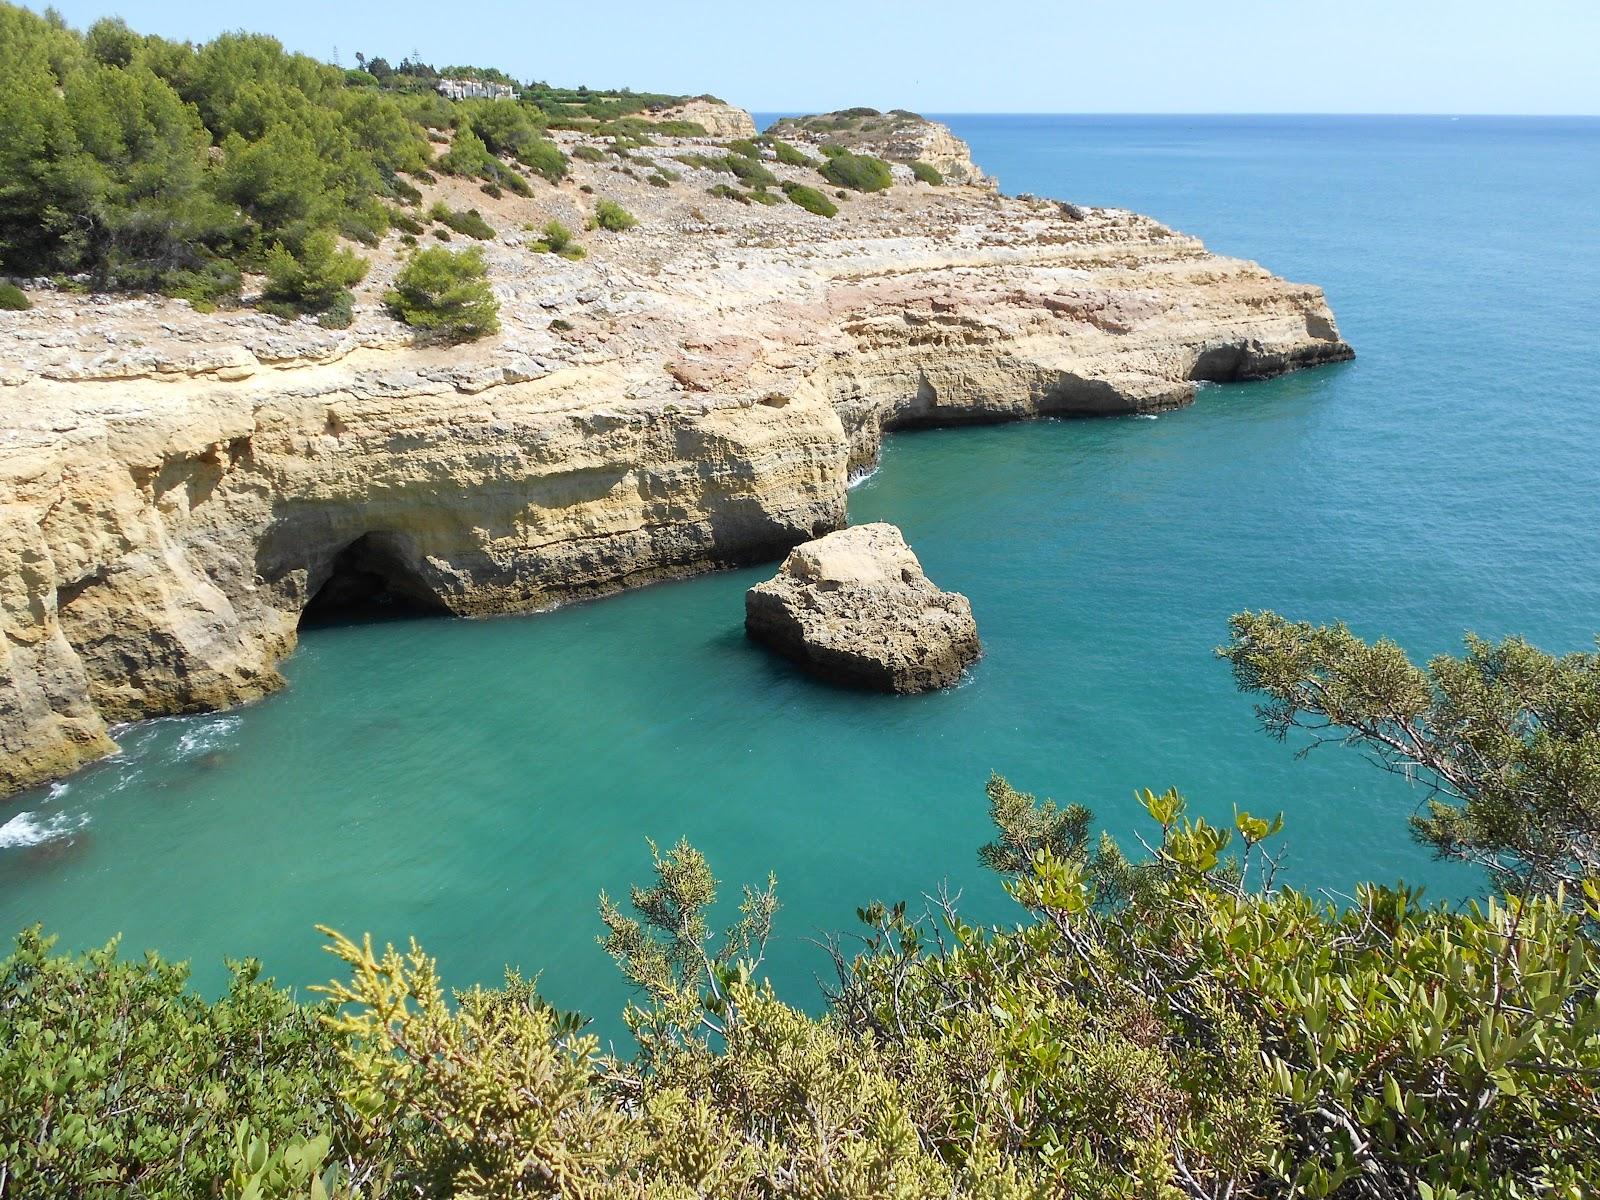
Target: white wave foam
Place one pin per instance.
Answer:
(861, 477)
(33, 829)
(205, 738)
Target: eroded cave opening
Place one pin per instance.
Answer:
(372, 579)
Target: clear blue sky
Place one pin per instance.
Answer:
(1435, 56)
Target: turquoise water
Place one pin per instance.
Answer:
(477, 783)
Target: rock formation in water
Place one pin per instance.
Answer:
(897, 137)
(176, 488)
(854, 607)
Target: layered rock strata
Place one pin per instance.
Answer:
(855, 607)
(177, 488)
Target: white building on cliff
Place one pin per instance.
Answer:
(474, 89)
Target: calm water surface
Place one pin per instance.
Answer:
(477, 783)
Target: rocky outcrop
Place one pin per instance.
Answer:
(854, 607)
(897, 137)
(176, 488)
(719, 120)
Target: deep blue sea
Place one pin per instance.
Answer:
(477, 783)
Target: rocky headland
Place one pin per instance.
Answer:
(855, 607)
(176, 488)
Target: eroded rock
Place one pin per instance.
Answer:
(854, 607)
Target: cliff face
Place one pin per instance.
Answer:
(897, 137)
(175, 489)
(719, 120)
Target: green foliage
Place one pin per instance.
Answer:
(726, 191)
(468, 156)
(495, 1094)
(544, 158)
(470, 222)
(505, 127)
(558, 239)
(116, 1079)
(789, 156)
(1506, 738)
(859, 172)
(404, 222)
(588, 153)
(154, 165)
(745, 148)
(610, 215)
(13, 298)
(927, 173)
(810, 199)
(747, 170)
(446, 294)
(316, 280)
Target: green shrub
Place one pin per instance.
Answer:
(588, 153)
(558, 239)
(790, 156)
(762, 196)
(446, 293)
(544, 158)
(859, 172)
(467, 156)
(13, 298)
(491, 190)
(657, 179)
(610, 215)
(745, 148)
(442, 235)
(404, 222)
(340, 313)
(810, 199)
(118, 1079)
(313, 281)
(725, 191)
(749, 172)
(403, 191)
(470, 222)
(927, 173)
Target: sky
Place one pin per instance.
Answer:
(1142, 56)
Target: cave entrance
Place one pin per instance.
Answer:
(371, 579)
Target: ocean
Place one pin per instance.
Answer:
(477, 783)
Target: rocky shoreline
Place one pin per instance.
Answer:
(178, 487)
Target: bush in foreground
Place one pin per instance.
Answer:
(859, 172)
(317, 280)
(811, 200)
(611, 216)
(558, 239)
(13, 298)
(927, 173)
(446, 294)
(470, 222)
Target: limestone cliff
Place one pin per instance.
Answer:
(897, 137)
(718, 119)
(176, 488)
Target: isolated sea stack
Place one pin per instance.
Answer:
(855, 608)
